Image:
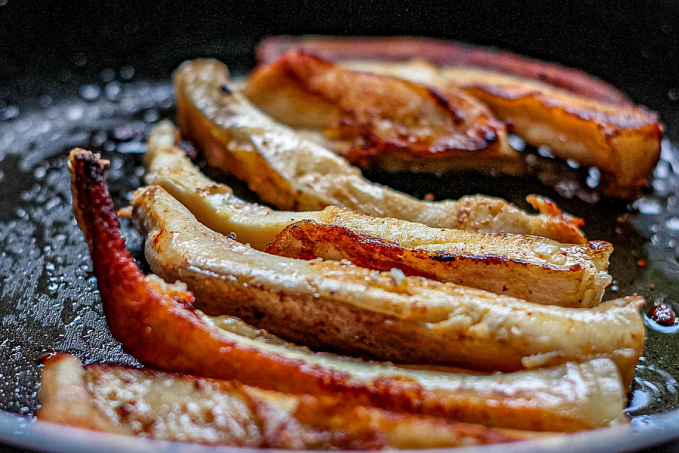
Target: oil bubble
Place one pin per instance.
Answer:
(90, 92)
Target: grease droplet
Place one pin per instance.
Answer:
(672, 223)
(673, 94)
(127, 72)
(90, 92)
(648, 206)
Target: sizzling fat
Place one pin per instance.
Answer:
(373, 118)
(442, 53)
(157, 324)
(528, 267)
(335, 306)
(294, 173)
(623, 141)
(173, 407)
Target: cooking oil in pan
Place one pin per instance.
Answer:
(50, 298)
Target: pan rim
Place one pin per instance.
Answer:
(29, 432)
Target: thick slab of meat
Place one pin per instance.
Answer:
(383, 121)
(528, 267)
(294, 173)
(157, 324)
(442, 53)
(578, 116)
(328, 305)
(623, 141)
(184, 408)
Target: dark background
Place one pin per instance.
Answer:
(51, 47)
(632, 44)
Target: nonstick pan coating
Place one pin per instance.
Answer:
(105, 93)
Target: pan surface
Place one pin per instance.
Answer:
(49, 297)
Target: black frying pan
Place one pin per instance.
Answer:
(94, 75)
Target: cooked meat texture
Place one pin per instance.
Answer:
(528, 267)
(623, 141)
(383, 121)
(184, 408)
(294, 173)
(441, 53)
(347, 309)
(157, 324)
(479, 260)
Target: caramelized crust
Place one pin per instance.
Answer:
(189, 409)
(623, 141)
(296, 174)
(528, 267)
(368, 117)
(156, 323)
(351, 310)
(576, 115)
(441, 53)
(542, 272)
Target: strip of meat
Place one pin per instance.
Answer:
(622, 141)
(441, 53)
(528, 267)
(503, 264)
(384, 121)
(157, 324)
(184, 408)
(294, 173)
(330, 305)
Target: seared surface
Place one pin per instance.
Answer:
(623, 141)
(528, 267)
(525, 267)
(291, 172)
(190, 409)
(156, 323)
(338, 307)
(374, 120)
(443, 53)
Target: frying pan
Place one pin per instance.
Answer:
(97, 75)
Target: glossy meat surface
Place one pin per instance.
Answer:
(576, 115)
(184, 408)
(528, 267)
(442, 53)
(157, 324)
(293, 173)
(347, 309)
(623, 141)
(379, 120)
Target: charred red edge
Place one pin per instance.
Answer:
(115, 269)
(387, 254)
(102, 226)
(443, 103)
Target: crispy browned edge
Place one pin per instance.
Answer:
(272, 188)
(317, 421)
(298, 70)
(163, 330)
(442, 53)
(305, 240)
(632, 119)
